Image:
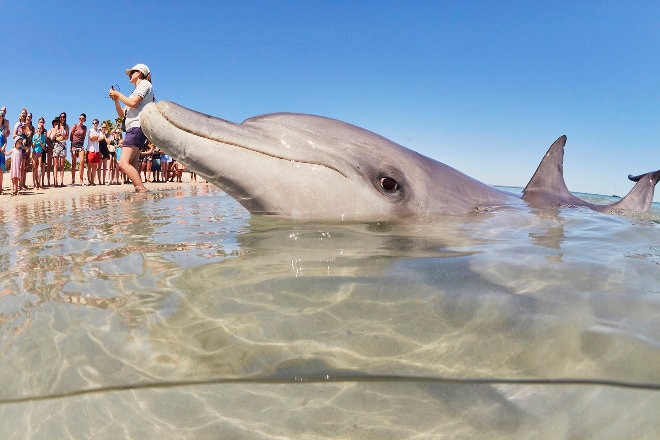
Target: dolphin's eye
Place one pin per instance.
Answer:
(389, 184)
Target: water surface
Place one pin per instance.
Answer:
(178, 315)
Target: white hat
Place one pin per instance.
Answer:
(140, 68)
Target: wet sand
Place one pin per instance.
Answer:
(50, 192)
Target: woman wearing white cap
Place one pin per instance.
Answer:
(140, 76)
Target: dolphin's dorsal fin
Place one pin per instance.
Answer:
(549, 176)
(547, 185)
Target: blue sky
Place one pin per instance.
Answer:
(483, 86)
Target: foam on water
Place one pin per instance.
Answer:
(177, 315)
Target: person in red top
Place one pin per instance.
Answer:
(78, 136)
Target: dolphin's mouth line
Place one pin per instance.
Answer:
(247, 148)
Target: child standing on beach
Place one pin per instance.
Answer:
(38, 147)
(16, 154)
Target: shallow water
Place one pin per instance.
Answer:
(177, 315)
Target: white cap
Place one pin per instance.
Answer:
(140, 68)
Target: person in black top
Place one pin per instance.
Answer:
(105, 154)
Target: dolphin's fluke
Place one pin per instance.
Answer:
(639, 198)
(635, 178)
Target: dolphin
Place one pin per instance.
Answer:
(316, 168)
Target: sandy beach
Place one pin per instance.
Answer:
(49, 192)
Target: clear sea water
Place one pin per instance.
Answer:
(176, 314)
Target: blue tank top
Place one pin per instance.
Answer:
(38, 143)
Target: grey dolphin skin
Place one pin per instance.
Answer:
(316, 168)
(547, 186)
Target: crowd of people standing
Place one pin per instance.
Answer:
(97, 149)
(95, 152)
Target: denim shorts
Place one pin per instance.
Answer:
(135, 138)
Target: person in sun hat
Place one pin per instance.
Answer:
(140, 76)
